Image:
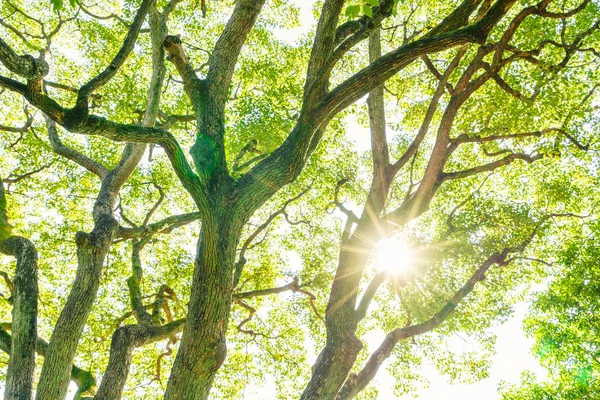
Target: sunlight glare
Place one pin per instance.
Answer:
(394, 255)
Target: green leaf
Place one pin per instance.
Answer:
(367, 10)
(352, 11)
(57, 5)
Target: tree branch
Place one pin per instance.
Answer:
(286, 162)
(368, 295)
(26, 66)
(124, 341)
(239, 266)
(228, 47)
(323, 44)
(166, 225)
(356, 383)
(24, 128)
(103, 77)
(294, 286)
(72, 154)
(193, 86)
(447, 176)
(84, 380)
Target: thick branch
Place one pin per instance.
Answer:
(93, 247)
(227, 49)
(26, 66)
(322, 47)
(193, 86)
(72, 154)
(103, 77)
(124, 341)
(379, 71)
(286, 162)
(377, 125)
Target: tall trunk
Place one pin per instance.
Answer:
(21, 364)
(202, 350)
(121, 353)
(342, 346)
(91, 251)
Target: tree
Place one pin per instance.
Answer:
(494, 104)
(562, 322)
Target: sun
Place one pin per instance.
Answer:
(394, 255)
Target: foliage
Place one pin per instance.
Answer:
(563, 322)
(495, 143)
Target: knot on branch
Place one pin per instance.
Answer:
(81, 239)
(172, 40)
(478, 277)
(172, 44)
(39, 67)
(103, 232)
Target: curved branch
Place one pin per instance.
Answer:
(26, 66)
(242, 256)
(103, 77)
(383, 68)
(228, 47)
(544, 13)
(322, 48)
(446, 176)
(19, 129)
(166, 225)
(287, 161)
(193, 86)
(431, 109)
(294, 286)
(72, 154)
(124, 341)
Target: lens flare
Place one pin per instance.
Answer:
(394, 255)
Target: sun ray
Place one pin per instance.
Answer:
(394, 255)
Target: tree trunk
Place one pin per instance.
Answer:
(342, 346)
(21, 364)
(121, 352)
(91, 251)
(202, 350)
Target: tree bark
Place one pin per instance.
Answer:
(124, 341)
(21, 364)
(203, 349)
